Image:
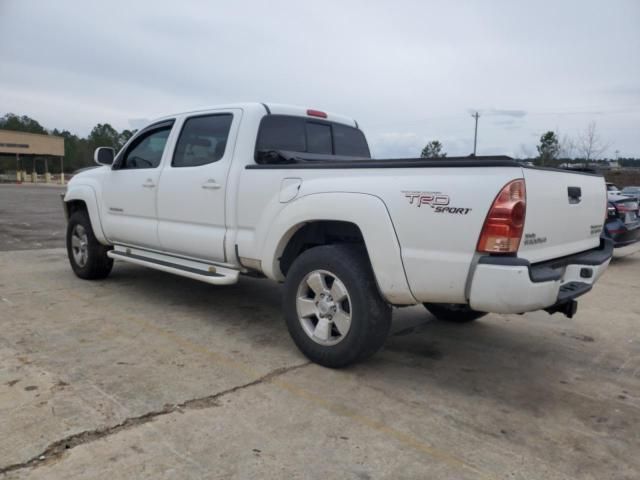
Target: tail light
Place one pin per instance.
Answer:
(316, 113)
(504, 224)
(622, 208)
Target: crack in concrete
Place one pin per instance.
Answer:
(56, 450)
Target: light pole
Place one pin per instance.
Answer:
(475, 115)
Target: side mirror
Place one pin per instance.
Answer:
(104, 155)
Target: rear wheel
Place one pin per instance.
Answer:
(332, 306)
(87, 256)
(453, 312)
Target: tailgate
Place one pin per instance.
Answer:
(565, 213)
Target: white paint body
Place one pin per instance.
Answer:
(417, 255)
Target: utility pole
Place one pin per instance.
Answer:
(475, 135)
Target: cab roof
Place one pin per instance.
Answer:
(275, 109)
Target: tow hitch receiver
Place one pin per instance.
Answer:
(568, 308)
(566, 302)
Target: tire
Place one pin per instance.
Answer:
(87, 256)
(453, 312)
(351, 322)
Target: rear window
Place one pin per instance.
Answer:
(349, 141)
(298, 134)
(278, 132)
(319, 138)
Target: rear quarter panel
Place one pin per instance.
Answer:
(437, 246)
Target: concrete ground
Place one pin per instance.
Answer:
(146, 375)
(31, 216)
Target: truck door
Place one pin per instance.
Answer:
(131, 186)
(193, 186)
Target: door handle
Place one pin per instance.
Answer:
(149, 183)
(211, 184)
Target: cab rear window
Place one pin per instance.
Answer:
(298, 134)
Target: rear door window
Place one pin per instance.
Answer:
(203, 140)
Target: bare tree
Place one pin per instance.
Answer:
(590, 143)
(567, 147)
(525, 152)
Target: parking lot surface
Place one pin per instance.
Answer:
(147, 375)
(31, 217)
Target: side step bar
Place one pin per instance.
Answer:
(204, 272)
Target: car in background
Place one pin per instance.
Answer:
(612, 188)
(623, 220)
(633, 192)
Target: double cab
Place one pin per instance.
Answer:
(292, 194)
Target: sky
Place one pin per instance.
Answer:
(408, 71)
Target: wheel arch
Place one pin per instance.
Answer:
(321, 219)
(83, 197)
(315, 233)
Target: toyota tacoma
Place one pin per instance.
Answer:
(293, 195)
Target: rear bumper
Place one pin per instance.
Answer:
(513, 285)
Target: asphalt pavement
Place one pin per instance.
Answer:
(148, 375)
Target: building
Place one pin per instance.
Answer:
(29, 148)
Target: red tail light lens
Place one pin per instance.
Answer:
(622, 208)
(504, 224)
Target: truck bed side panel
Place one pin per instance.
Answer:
(438, 215)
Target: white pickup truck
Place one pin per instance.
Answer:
(292, 194)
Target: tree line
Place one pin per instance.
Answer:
(553, 150)
(78, 151)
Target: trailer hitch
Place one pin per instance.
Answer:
(568, 308)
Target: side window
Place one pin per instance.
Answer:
(319, 138)
(279, 132)
(146, 151)
(203, 140)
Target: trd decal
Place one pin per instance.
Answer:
(426, 198)
(439, 202)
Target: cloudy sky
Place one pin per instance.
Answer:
(408, 71)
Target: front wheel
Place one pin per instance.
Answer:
(332, 306)
(87, 256)
(453, 312)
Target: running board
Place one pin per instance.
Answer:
(179, 266)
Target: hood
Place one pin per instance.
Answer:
(88, 172)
